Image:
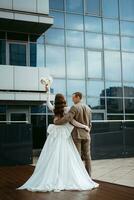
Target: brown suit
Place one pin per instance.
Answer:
(81, 113)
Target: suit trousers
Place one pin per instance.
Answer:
(83, 147)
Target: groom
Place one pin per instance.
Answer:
(81, 113)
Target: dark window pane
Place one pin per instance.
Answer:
(2, 109)
(110, 8)
(38, 109)
(97, 116)
(50, 119)
(114, 105)
(114, 89)
(127, 9)
(129, 89)
(2, 117)
(129, 105)
(17, 54)
(37, 55)
(129, 117)
(17, 36)
(18, 117)
(93, 24)
(58, 19)
(96, 103)
(93, 6)
(38, 130)
(115, 117)
(127, 28)
(56, 4)
(33, 54)
(74, 21)
(2, 52)
(73, 6)
(2, 35)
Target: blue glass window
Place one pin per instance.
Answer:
(110, 8)
(127, 9)
(73, 6)
(93, 24)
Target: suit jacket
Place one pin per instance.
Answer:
(81, 113)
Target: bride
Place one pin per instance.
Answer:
(59, 166)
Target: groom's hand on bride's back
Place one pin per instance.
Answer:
(67, 117)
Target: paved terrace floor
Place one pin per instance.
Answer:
(13, 177)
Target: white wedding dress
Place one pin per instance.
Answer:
(59, 166)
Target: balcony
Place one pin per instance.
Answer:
(26, 16)
(18, 83)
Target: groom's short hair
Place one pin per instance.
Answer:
(78, 94)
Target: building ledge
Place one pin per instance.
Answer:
(24, 21)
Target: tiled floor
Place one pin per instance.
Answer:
(119, 171)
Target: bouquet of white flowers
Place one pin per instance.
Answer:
(46, 81)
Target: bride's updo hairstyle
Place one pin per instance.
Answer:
(60, 103)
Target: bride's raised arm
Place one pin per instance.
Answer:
(49, 104)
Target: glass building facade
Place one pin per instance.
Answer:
(89, 48)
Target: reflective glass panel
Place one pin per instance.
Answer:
(113, 89)
(129, 117)
(95, 88)
(93, 24)
(93, 40)
(96, 103)
(111, 26)
(110, 8)
(115, 117)
(114, 105)
(128, 66)
(93, 6)
(97, 116)
(38, 109)
(75, 86)
(74, 21)
(74, 38)
(127, 9)
(128, 89)
(75, 63)
(37, 55)
(59, 86)
(129, 105)
(111, 42)
(55, 36)
(94, 64)
(127, 43)
(55, 60)
(73, 6)
(112, 65)
(2, 52)
(17, 54)
(127, 28)
(56, 4)
(58, 19)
